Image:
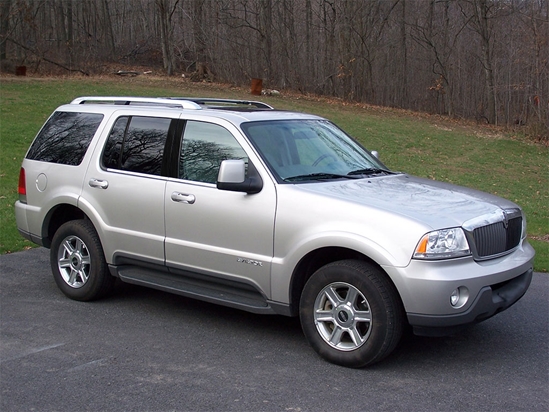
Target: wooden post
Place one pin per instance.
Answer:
(257, 85)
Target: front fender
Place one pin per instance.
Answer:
(283, 267)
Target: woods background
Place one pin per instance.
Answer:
(481, 59)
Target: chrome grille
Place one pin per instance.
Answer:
(497, 238)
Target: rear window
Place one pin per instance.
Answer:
(65, 138)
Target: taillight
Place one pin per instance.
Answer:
(22, 190)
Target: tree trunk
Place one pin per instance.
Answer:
(404, 50)
(481, 10)
(309, 67)
(265, 27)
(107, 26)
(448, 84)
(70, 34)
(165, 13)
(4, 30)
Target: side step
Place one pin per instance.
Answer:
(232, 294)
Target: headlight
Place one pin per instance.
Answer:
(442, 244)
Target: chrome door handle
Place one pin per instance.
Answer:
(100, 184)
(183, 198)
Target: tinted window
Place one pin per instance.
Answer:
(113, 147)
(308, 148)
(203, 148)
(65, 138)
(137, 144)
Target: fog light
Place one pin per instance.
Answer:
(454, 297)
(459, 297)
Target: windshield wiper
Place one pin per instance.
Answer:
(369, 171)
(318, 176)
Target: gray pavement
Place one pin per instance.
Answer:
(144, 350)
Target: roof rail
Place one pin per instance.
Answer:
(141, 101)
(224, 103)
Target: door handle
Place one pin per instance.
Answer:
(183, 198)
(100, 184)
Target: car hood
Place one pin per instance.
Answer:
(436, 204)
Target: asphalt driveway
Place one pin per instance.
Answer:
(144, 350)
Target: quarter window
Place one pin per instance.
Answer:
(203, 148)
(65, 138)
(136, 144)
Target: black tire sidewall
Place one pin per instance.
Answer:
(386, 326)
(99, 281)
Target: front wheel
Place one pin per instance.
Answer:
(78, 262)
(351, 313)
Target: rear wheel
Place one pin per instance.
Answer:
(78, 262)
(351, 313)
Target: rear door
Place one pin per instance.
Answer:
(125, 188)
(214, 232)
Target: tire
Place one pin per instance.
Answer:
(351, 313)
(78, 262)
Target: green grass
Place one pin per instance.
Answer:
(427, 146)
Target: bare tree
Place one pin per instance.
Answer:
(479, 14)
(484, 59)
(5, 6)
(166, 9)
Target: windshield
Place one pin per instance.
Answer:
(307, 150)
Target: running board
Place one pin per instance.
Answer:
(231, 294)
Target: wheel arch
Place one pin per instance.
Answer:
(314, 260)
(56, 217)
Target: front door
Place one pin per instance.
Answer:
(214, 232)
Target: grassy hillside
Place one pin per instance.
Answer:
(428, 146)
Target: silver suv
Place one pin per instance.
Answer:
(268, 211)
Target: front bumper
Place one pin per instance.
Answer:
(490, 301)
(492, 286)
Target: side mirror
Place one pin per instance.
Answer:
(232, 177)
(375, 153)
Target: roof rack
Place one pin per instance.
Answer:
(141, 101)
(224, 103)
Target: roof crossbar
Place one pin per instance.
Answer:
(141, 101)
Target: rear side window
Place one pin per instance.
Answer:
(136, 144)
(65, 138)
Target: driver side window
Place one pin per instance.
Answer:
(203, 147)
